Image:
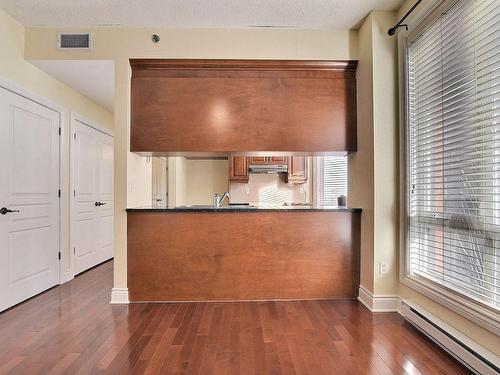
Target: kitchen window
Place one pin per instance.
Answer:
(331, 179)
(452, 147)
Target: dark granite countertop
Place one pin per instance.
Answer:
(241, 208)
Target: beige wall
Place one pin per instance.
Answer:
(472, 330)
(385, 154)
(360, 166)
(120, 44)
(382, 106)
(204, 179)
(373, 169)
(195, 181)
(15, 69)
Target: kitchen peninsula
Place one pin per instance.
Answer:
(259, 116)
(206, 254)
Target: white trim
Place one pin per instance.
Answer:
(64, 273)
(316, 170)
(468, 308)
(378, 303)
(75, 116)
(451, 340)
(20, 90)
(119, 296)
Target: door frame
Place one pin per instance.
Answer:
(74, 118)
(9, 85)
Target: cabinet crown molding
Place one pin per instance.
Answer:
(230, 64)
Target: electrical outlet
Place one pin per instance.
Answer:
(383, 268)
(301, 190)
(130, 186)
(247, 189)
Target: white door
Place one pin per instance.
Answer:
(29, 183)
(92, 216)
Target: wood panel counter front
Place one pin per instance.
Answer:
(208, 256)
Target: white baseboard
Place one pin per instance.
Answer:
(378, 303)
(471, 354)
(477, 358)
(119, 296)
(66, 277)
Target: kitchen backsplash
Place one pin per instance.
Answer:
(270, 189)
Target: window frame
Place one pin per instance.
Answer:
(485, 316)
(317, 178)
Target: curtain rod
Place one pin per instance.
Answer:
(393, 29)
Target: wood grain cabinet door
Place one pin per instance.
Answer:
(238, 169)
(278, 160)
(258, 160)
(267, 160)
(297, 169)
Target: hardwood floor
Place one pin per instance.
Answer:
(72, 329)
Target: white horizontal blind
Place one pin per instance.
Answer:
(454, 151)
(332, 179)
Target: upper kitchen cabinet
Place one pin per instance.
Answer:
(297, 170)
(223, 106)
(238, 169)
(258, 160)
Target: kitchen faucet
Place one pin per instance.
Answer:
(218, 199)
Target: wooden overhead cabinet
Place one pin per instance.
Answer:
(223, 106)
(267, 160)
(238, 169)
(258, 160)
(297, 170)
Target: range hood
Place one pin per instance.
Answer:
(268, 168)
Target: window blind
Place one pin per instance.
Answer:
(453, 148)
(332, 179)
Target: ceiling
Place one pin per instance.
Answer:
(334, 14)
(92, 78)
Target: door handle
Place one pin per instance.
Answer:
(97, 204)
(5, 211)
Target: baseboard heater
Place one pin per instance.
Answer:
(475, 358)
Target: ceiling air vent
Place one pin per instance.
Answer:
(74, 41)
